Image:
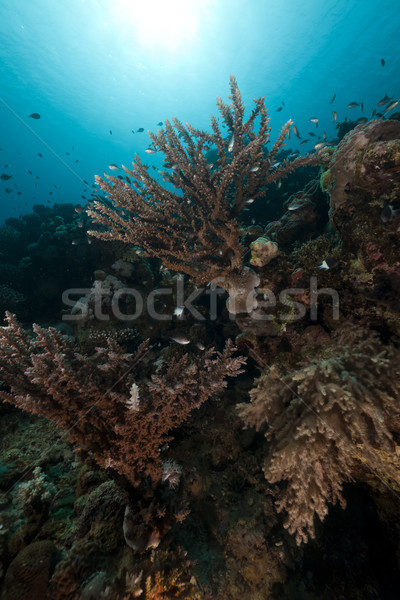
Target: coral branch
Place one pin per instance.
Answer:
(196, 229)
(101, 400)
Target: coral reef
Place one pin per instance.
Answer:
(196, 231)
(95, 400)
(320, 417)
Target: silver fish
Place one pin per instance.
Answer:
(391, 106)
(180, 339)
(113, 167)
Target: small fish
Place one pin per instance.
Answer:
(180, 339)
(296, 132)
(353, 105)
(382, 62)
(391, 106)
(8, 191)
(200, 346)
(304, 142)
(110, 132)
(34, 116)
(334, 116)
(113, 167)
(319, 145)
(5, 177)
(389, 212)
(361, 120)
(324, 135)
(41, 155)
(140, 130)
(314, 120)
(254, 169)
(373, 112)
(328, 263)
(311, 134)
(249, 201)
(295, 205)
(150, 151)
(333, 98)
(362, 106)
(231, 143)
(160, 124)
(384, 100)
(68, 154)
(178, 311)
(279, 109)
(79, 209)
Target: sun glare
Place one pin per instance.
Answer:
(161, 24)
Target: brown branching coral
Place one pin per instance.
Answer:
(101, 401)
(320, 417)
(196, 229)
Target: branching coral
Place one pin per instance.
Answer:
(196, 230)
(320, 417)
(101, 401)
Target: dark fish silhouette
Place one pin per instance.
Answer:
(279, 109)
(34, 116)
(333, 98)
(160, 123)
(110, 132)
(4, 176)
(140, 130)
(382, 62)
(41, 155)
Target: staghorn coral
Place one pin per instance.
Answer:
(320, 417)
(101, 401)
(196, 230)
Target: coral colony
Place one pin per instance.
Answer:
(311, 299)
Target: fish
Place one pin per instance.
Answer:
(179, 338)
(67, 153)
(324, 135)
(160, 124)
(361, 120)
(249, 201)
(362, 106)
(110, 132)
(304, 142)
(328, 263)
(140, 130)
(389, 212)
(314, 120)
(279, 109)
(295, 205)
(231, 143)
(113, 167)
(178, 311)
(391, 106)
(34, 116)
(333, 98)
(382, 62)
(254, 169)
(8, 190)
(373, 112)
(311, 133)
(5, 177)
(319, 145)
(353, 105)
(385, 100)
(150, 150)
(41, 155)
(200, 346)
(79, 209)
(296, 132)
(334, 116)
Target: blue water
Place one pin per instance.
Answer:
(90, 67)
